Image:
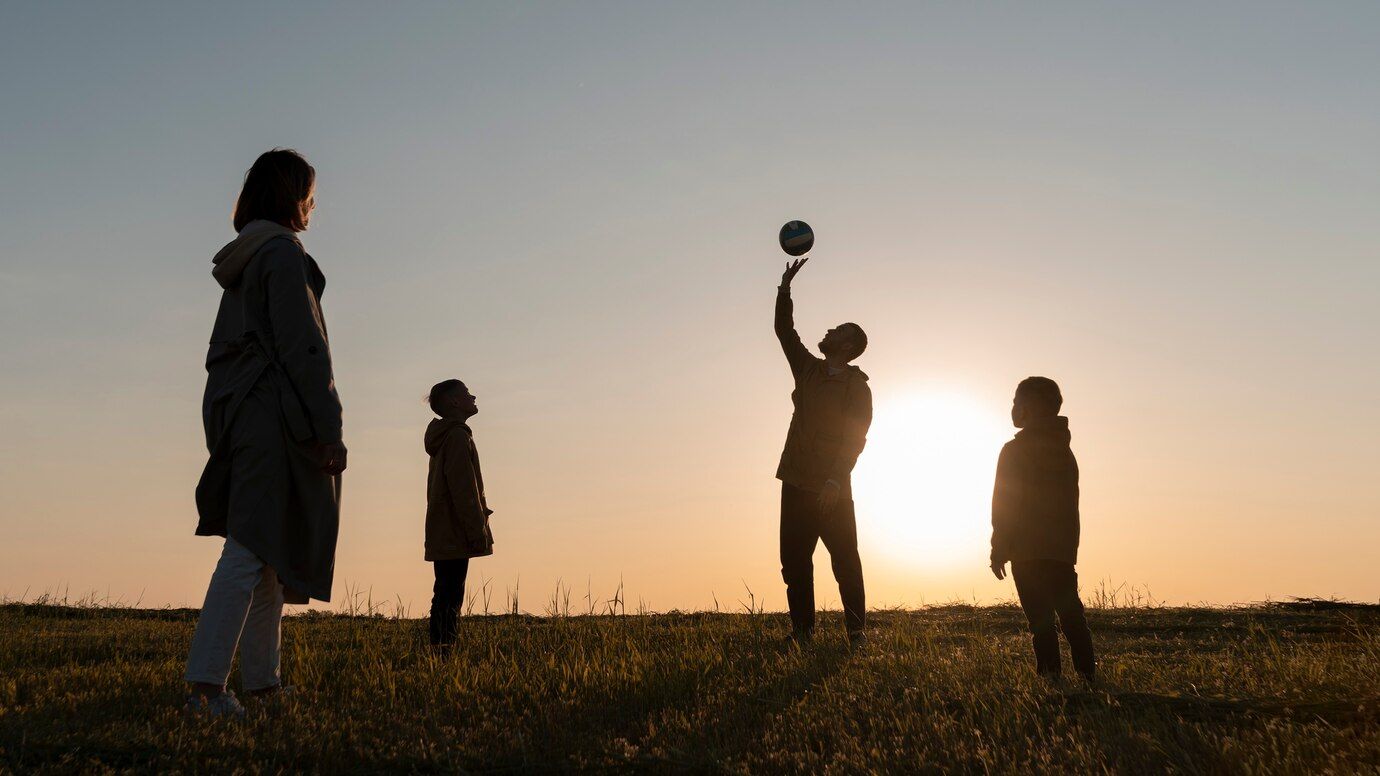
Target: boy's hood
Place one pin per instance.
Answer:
(438, 430)
(1051, 429)
(230, 261)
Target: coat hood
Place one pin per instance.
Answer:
(851, 371)
(230, 262)
(438, 430)
(1050, 430)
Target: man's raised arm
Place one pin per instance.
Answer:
(797, 354)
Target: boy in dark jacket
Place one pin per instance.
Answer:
(1035, 526)
(457, 515)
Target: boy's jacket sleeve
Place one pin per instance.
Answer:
(1006, 495)
(459, 473)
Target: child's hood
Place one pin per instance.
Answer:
(230, 262)
(438, 430)
(1050, 430)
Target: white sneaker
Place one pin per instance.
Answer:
(223, 705)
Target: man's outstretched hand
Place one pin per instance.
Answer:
(999, 569)
(792, 269)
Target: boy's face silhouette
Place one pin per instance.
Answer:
(1024, 409)
(1020, 412)
(460, 403)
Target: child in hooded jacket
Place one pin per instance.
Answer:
(457, 514)
(1035, 526)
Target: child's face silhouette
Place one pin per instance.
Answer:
(461, 403)
(1019, 412)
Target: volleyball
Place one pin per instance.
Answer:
(797, 238)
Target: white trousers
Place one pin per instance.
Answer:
(244, 608)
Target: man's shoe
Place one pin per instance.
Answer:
(223, 705)
(799, 639)
(857, 640)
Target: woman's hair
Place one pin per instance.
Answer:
(277, 188)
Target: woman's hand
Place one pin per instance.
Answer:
(333, 456)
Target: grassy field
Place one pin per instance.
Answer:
(1283, 688)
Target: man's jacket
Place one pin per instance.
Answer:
(1035, 499)
(457, 515)
(832, 413)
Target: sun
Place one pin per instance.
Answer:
(923, 486)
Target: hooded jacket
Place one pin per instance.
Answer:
(457, 515)
(270, 402)
(832, 414)
(1035, 498)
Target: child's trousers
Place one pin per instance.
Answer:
(446, 597)
(244, 608)
(1048, 588)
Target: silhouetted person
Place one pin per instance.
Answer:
(1035, 526)
(273, 423)
(457, 515)
(833, 409)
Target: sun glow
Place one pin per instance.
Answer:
(923, 485)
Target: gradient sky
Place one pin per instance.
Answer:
(1169, 208)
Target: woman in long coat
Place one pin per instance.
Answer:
(273, 428)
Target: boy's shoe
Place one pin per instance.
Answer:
(223, 705)
(799, 639)
(857, 641)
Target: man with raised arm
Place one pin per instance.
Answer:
(833, 409)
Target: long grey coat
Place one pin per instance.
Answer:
(270, 401)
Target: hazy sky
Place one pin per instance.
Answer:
(1169, 208)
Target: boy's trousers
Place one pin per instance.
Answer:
(244, 608)
(802, 528)
(1048, 588)
(446, 598)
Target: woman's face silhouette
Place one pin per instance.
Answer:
(308, 205)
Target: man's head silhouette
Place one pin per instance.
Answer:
(845, 342)
(1036, 397)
